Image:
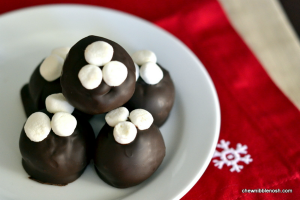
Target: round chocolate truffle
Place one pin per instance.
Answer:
(34, 93)
(126, 165)
(58, 160)
(37, 90)
(104, 97)
(158, 99)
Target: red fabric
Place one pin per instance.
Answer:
(254, 112)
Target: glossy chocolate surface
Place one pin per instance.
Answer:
(158, 99)
(127, 165)
(104, 98)
(34, 93)
(58, 160)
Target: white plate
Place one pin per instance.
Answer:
(191, 132)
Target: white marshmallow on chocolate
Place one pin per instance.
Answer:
(115, 116)
(141, 118)
(137, 71)
(37, 126)
(58, 103)
(124, 132)
(51, 67)
(63, 124)
(114, 73)
(90, 76)
(151, 73)
(143, 56)
(98, 53)
(61, 51)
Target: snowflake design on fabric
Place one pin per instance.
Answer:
(231, 157)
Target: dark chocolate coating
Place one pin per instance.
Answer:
(28, 105)
(158, 99)
(104, 98)
(127, 165)
(58, 160)
(34, 93)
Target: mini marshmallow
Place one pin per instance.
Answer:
(141, 118)
(117, 115)
(98, 53)
(63, 124)
(37, 126)
(58, 103)
(144, 56)
(151, 73)
(124, 132)
(51, 67)
(90, 76)
(114, 73)
(137, 71)
(61, 51)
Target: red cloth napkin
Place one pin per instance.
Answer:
(258, 146)
(254, 112)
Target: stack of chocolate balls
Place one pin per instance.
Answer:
(93, 77)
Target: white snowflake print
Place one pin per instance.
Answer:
(231, 157)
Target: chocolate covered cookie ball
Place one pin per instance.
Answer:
(44, 81)
(128, 152)
(98, 75)
(56, 147)
(154, 89)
